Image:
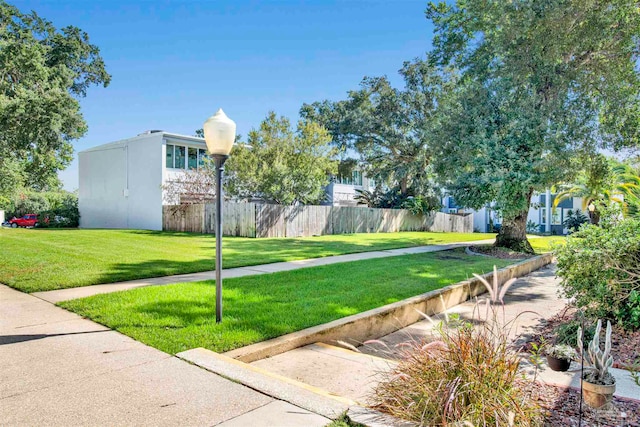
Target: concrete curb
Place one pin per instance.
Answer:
(384, 320)
(295, 392)
(305, 396)
(372, 418)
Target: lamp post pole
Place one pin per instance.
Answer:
(219, 134)
(593, 217)
(219, 160)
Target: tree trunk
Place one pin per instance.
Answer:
(513, 234)
(403, 186)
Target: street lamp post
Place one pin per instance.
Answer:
(219, 133)
(592, 214)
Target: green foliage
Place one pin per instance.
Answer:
(600, 270)
(468, 376)
(540, 82)
(421, 205)
(567, 333)
(393, 199)
(54, 208)
(574, 220)
(606, 181)
(28, 202)
(43, 72)
(280, 165)
(344, 421)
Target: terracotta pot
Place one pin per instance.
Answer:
(556, 364)
(597, 395)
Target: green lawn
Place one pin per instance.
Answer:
(178, 317)
(542, 244)
(44, 259)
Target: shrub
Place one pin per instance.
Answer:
(421, 205)
(468, 376)
(60, 207)
(574, 220)
(600, 270)
(27, 202)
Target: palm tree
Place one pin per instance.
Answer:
(604, 181)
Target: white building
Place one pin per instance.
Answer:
(341, 191)
(544, 219)
(120, 183)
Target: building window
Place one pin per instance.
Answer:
(354, 179)
(193, 158)
(202, 154)
(357, 178)
(555, 217)
(179, 157)
(543, 213)
(169, 156)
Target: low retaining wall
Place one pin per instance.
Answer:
(384, 320)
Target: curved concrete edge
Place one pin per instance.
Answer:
(302, 395)
(384, 320)
(468, 251)
(305, 396)
(373, 418)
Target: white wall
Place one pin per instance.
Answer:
(102, 184)
(120, 184)
(1, 217)
(145, 183)
(480, 220)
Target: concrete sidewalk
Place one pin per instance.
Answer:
(86, 291)
(60, 369)
(528, 303)
(342, 372)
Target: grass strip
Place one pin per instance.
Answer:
(179, 317)
(542, 244)
(34, 260)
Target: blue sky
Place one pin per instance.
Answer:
(174, 63)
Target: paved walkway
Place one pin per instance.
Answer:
(531, 300)
(86, 291)
(59, 369)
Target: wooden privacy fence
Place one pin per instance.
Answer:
(263, 220)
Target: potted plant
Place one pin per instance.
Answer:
(559, 357)
(598, 385)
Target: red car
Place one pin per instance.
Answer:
(29, 220)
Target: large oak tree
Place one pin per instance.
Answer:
(390, 129)
(43, 73)
(541, 82)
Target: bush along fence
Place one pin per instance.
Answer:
(265, 220)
